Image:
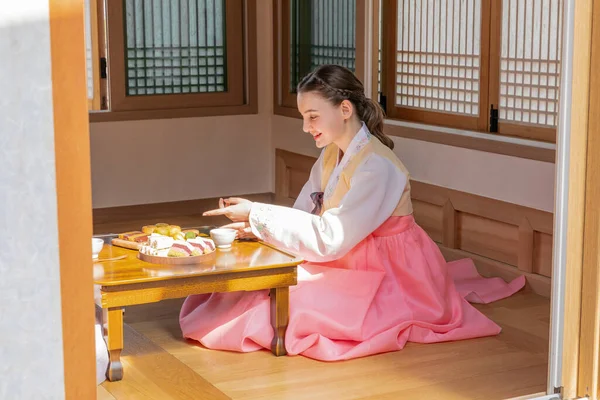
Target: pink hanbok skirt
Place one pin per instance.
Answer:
(392, 288)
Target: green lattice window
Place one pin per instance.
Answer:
(321, 32)
(175, 46)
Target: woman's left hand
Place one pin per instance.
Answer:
(234, 208)
(243, 230)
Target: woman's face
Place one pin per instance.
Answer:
(323, 120)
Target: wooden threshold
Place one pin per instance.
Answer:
(153, 373)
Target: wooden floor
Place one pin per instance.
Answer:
(159, 364)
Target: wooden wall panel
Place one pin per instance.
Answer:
(292, 171)
(489, 238)
(503, 239)
(430, 217)
(297, 180)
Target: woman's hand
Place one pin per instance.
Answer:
(243, 229)
(234, 208)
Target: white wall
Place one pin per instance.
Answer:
(31, 347)
(516, 180)
(154, 161)
(151, 161)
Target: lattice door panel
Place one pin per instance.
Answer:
(530, 61)
(321, 32)
(438, 58)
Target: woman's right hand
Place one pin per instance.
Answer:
(234, 208)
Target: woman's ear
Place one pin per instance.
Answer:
(347, 109)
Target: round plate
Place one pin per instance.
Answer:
(177, 260)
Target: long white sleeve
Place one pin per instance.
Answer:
(303, 201)
(376, 188)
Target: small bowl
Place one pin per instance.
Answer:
(223, 237)
(97, 245)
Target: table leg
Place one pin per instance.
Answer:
(113, 334)
(279, 318)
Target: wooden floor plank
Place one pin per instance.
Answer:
(476, 387)
(442, 368)
(152, 373)
(103, 394)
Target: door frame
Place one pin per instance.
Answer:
(588, 369)
(574, 355)
(564, 170)
(575, 331)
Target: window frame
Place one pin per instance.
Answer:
(489, 81)
(284, 102)
(94, 103)
(241, 98)
(431, 117)
(525, 131)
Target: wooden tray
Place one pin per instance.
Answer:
(177, 260)
(126, 244)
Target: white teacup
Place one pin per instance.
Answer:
(223, 237)
(97, 245)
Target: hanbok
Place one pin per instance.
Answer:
(372, 280)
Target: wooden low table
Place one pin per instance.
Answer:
(245, 266)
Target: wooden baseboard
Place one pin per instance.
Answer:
(504, 239)
(512, 234)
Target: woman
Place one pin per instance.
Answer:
(373, 279)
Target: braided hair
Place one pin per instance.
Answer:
(336, 84)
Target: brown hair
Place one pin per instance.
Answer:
(336, 84)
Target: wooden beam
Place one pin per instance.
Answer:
(74, 197)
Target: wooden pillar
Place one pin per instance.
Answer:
(74, 200)
(589, 343)
(581, 90)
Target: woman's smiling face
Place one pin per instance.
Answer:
(323, 120)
